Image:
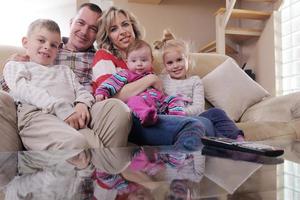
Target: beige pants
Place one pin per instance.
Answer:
(109, 127)
(10, 140)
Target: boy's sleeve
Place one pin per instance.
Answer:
(197, 105)
(113, 85)
(18, 79)
(82, 95)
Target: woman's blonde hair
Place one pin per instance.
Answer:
(104, 24)
(169, 42)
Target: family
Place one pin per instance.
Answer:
(70, 95)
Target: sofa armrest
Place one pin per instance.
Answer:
(269, 130)
(281, 108)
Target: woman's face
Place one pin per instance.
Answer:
(121, 32)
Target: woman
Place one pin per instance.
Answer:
(117, 29)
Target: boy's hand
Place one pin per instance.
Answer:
(100, 97)
(81, 160)
(84, 113)
(75, 121)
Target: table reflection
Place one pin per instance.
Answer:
(120, 173)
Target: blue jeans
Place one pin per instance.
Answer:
(180, 131)
(220, 124)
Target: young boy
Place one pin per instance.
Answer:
(48, 95)
(150, 102)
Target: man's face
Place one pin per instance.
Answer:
(83, 30)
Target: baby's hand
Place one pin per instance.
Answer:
(100, 97)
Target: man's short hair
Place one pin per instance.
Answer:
(91, 6)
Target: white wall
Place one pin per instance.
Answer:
(190, 20)
(16, 15)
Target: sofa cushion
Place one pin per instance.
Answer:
(228, 87)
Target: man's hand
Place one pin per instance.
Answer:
(80, 118)
(18, 57)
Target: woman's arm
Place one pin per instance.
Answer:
(138, 86)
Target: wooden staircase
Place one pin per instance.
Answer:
(230, 38)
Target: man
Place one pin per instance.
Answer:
(113, 117)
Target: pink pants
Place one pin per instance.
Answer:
(148, 104)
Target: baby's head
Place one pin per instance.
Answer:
(42, 41)
(174, 54)
(139, 57)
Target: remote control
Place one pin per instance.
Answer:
(240, 155)
(245, 146)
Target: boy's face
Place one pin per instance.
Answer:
(176, 64)
(140, 60)
(42, 46)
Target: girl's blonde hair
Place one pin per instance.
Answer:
(169, 43)
(104, 24)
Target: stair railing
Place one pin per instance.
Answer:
(221, 23)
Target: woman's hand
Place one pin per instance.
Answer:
(156, 82)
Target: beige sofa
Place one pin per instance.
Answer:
(273, 118)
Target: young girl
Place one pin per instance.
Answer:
(147, 104)
(176, 81)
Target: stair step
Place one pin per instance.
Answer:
(211, 47)
(261, 0)
(246, 14)
(239, 35)
(145, 1)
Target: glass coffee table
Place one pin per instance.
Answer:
(147, 173)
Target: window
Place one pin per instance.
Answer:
(290, 43)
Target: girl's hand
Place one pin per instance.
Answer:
(100, 97)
